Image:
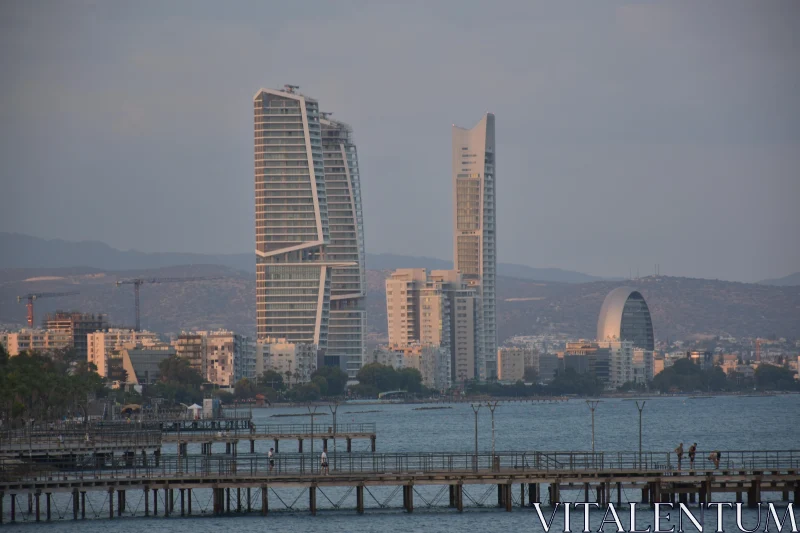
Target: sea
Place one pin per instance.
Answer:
(726, 423)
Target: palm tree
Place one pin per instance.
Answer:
(288, 375)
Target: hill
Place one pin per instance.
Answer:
(790, 280)
(24, 251)
(681, 307)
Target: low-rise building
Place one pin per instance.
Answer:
(141, 363)
(512, 362)
(294, 361)
(37, 340)
(222, 357)
(432, 362)
(100, 345)
(620, 362)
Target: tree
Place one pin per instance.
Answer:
(531, 375)
(336, 378)
(381, 377)
(244, 389)
(770, 377)
(272, 379)
(321, 383)
(177, 370)
(224, 396)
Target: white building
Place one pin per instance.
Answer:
(294, 361)
(432, 362)
(36, 340)
(512, 362)
(474, 242)
(643, 365)
(620, 362)
(222, 357)
(102, 344)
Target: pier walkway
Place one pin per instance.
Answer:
(248, 481)
(37, 444)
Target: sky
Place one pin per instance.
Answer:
(628, 134)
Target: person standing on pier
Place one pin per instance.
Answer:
(324, 463)
(692, 452)
(679, 452)
(714, 458)
(271, 456)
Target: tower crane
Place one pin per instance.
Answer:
(31, 296)
(138, 282)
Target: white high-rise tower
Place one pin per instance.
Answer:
(474, 242)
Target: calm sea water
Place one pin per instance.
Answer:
(725, 423)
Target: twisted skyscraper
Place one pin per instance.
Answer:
(309, 230)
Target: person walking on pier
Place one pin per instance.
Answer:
(271, 456)
(692, 453)
(324, 463)
(714, 458)
(679, 453)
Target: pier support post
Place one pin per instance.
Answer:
(38, 497)
(83, 505)
(276, 445)
(252, 446)
(312, 499)
(47, 505)
(13, 508)
(619, 494)
(607, 497)
(171, 500)
(183, 511)
(349, 444)
(533, 493)
(507, 497)
(238, 499)
(75, 504)
(600, 493)
(324, 445)
(228, 448)
(586, 492)
(155, 502)
(249, 507)
(522, 494)
(408, 498)
(299, 445)
(754, 494)
(147, 501)
(372, 442)
(796, 493)
(111, 503)
(189, 497)
(167, 502)
(120, 502)
(555, 495)
(2, 508)
(460, 497)
(646, 494)
(228, 500)
(452, 492)
(360, 498)
(265, 499)
(30, 503)
(500, 495)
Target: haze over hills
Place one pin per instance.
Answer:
(790, 280)
(24, 251)
(681, 307)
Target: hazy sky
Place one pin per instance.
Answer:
(627, 134)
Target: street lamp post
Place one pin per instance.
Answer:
(641, 408)
(592, 405)
(475, 409)
(492, 407)
(313, 414)
(334, 408)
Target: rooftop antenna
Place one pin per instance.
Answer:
(290, 88)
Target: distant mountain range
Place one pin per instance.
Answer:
(24, 251)
(786, 281)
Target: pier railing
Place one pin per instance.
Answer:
(21, 441)
(290, 430)
(133, 467)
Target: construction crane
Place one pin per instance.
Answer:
(138, 282)
(31, 296)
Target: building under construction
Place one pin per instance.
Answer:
(79, 325)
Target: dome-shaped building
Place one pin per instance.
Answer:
(625, 316)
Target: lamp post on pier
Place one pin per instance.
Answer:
(641, 408)
(592, 405)
(492, 407)
(475, 409)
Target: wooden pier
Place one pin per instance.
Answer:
(346, 433)
(247, 483)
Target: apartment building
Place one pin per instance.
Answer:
(512, 362)
(36, 340)
(294, 361)
(100, 345)
(222, 357)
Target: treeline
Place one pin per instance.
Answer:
(685, 376)
(375, 378)
(45, 387)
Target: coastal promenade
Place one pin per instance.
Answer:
(246, 483)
